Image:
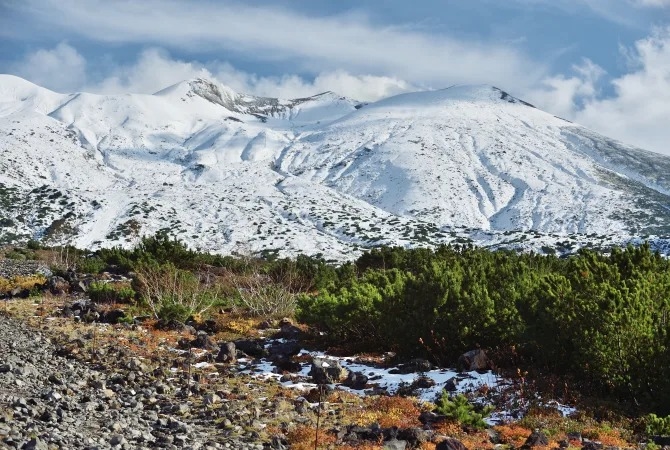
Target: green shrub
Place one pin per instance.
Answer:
(600, 318)
(91, 265)
(33, 245)
(657, 426)
(458, 408)
(100, 291)
(15, 255)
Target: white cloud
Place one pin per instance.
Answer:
(155, 69)
(562, 95)
(360, 87)
(61, 68)
(637, 113)
(652, 3)
(640, 110)
(312, 44)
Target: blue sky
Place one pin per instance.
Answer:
(602, 63)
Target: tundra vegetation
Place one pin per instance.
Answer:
(594, 323)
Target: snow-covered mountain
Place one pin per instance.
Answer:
(325, 174)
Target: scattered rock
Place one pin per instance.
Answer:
(474, 360)
(450, 384)
(325, 371)
(430, 418)
(414, 436)
(227, 353)
(591, 445)
(413, 366)
(536, 439)
(423, 382)
(356, 380)
(202, 340)
(450, 444)
(58, 285)
(251, 347)
(211, 399)
(288, 331)
(113, 316)
(35, 444)
(395, 444)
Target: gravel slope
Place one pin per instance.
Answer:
(51, 401)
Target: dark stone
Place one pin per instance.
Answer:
(663, 441)
(58, 285)
(113, 316)
(575, 436)
(278, 444)
(227, 353)
(78, 286)
(55, 380)
(356, 380)
(415, 365)
(450, 444)
(494, 436)
(326, 371)
(358, 433)
(19, 293)
(395, 444)
(288, 331)
(209, 326)
(429, 418)
(317, 394)
(251, 347)
(474, 360)
(592, 445)
(450, 385)
(287, 365)
(536, 439)
(414, 436)
(171, 325)
(423, 382)
(35, 444)
(203, 340)
(283, 350)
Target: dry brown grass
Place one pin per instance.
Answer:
(401, 412)
(21, 282)
(303, 437)
(234, 325)
(514, 435)
(476, 441)
(608, 436)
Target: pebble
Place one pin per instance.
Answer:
(56, 402)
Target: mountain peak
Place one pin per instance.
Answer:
(204, 87)
(13, 87)
(480, 92)
(318, 174)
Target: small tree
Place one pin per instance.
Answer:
(461, 410)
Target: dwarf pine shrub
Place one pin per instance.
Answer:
(458, 408)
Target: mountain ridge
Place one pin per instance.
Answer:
(322, 175)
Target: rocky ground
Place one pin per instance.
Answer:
(49, 400)
(70, 382)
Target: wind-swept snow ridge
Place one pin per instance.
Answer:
(326, 175)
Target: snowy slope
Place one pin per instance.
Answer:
(231, 172)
